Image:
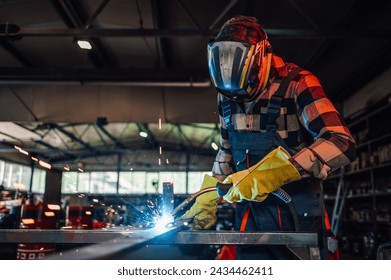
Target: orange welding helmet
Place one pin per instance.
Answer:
(239, 59)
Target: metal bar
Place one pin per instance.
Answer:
(168, 200)
(73, 137)
(243, 238)
(116, 142)
(223, 13)
(182, 74)
(172, 33)
(96, 13)
(304, 14)
(110, 32)
(112, 249)
(188, 13)
(118, 172)
(182, 237)
(108, 152)
(73, 15)
(15, 53)
(161, 44)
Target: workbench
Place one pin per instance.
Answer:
(112, 243)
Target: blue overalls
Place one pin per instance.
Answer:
(272, 215)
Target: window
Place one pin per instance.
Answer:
(15, 176)
(39, 181)
(130, 182)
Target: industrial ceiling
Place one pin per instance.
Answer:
(147, 72)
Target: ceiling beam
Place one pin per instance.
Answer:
(6, 45)
(208, 33)
(188, 13)
(161, 43)
(132, 77)
(116, 142)
(72, 15)
(98, 10)
(223, 13)
(73, 137)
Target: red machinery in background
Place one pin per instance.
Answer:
(78, 217)
(37, 216)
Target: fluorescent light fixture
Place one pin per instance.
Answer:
(54, 207)
(85, 45)
(49, 214)
(214, 146)
(44, 164)
(28, 221)
(24, 152)
(21, 150)
(143, 134)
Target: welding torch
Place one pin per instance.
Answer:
(222, 189)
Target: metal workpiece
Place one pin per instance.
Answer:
(86, 236)
(242, 238)
(180, 237)
(118, 247)
(112, 243)
(60, 236)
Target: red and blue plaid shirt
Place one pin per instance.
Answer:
(308, 123)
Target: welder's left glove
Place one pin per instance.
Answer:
(269, 174)
(204, 209)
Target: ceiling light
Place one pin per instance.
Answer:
(44, 164)
(214, 146)
(85, 45)
(143, 134)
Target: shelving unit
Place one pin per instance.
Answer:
(365, 221)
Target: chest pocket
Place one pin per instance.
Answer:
(252, 148)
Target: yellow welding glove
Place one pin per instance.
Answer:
(269, 174)
(204, 209)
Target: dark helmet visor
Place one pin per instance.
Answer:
(229, 63)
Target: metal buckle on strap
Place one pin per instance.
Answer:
(226, 111)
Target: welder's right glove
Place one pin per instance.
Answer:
(204, 208)
(269, 174)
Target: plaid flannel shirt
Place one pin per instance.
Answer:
(308, 123)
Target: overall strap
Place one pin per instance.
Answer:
(273, 110)
(226, 112)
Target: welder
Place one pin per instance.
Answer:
(278, 129)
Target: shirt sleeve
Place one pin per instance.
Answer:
(333, 145)
(223, 164)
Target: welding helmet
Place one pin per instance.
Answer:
(239, 59)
